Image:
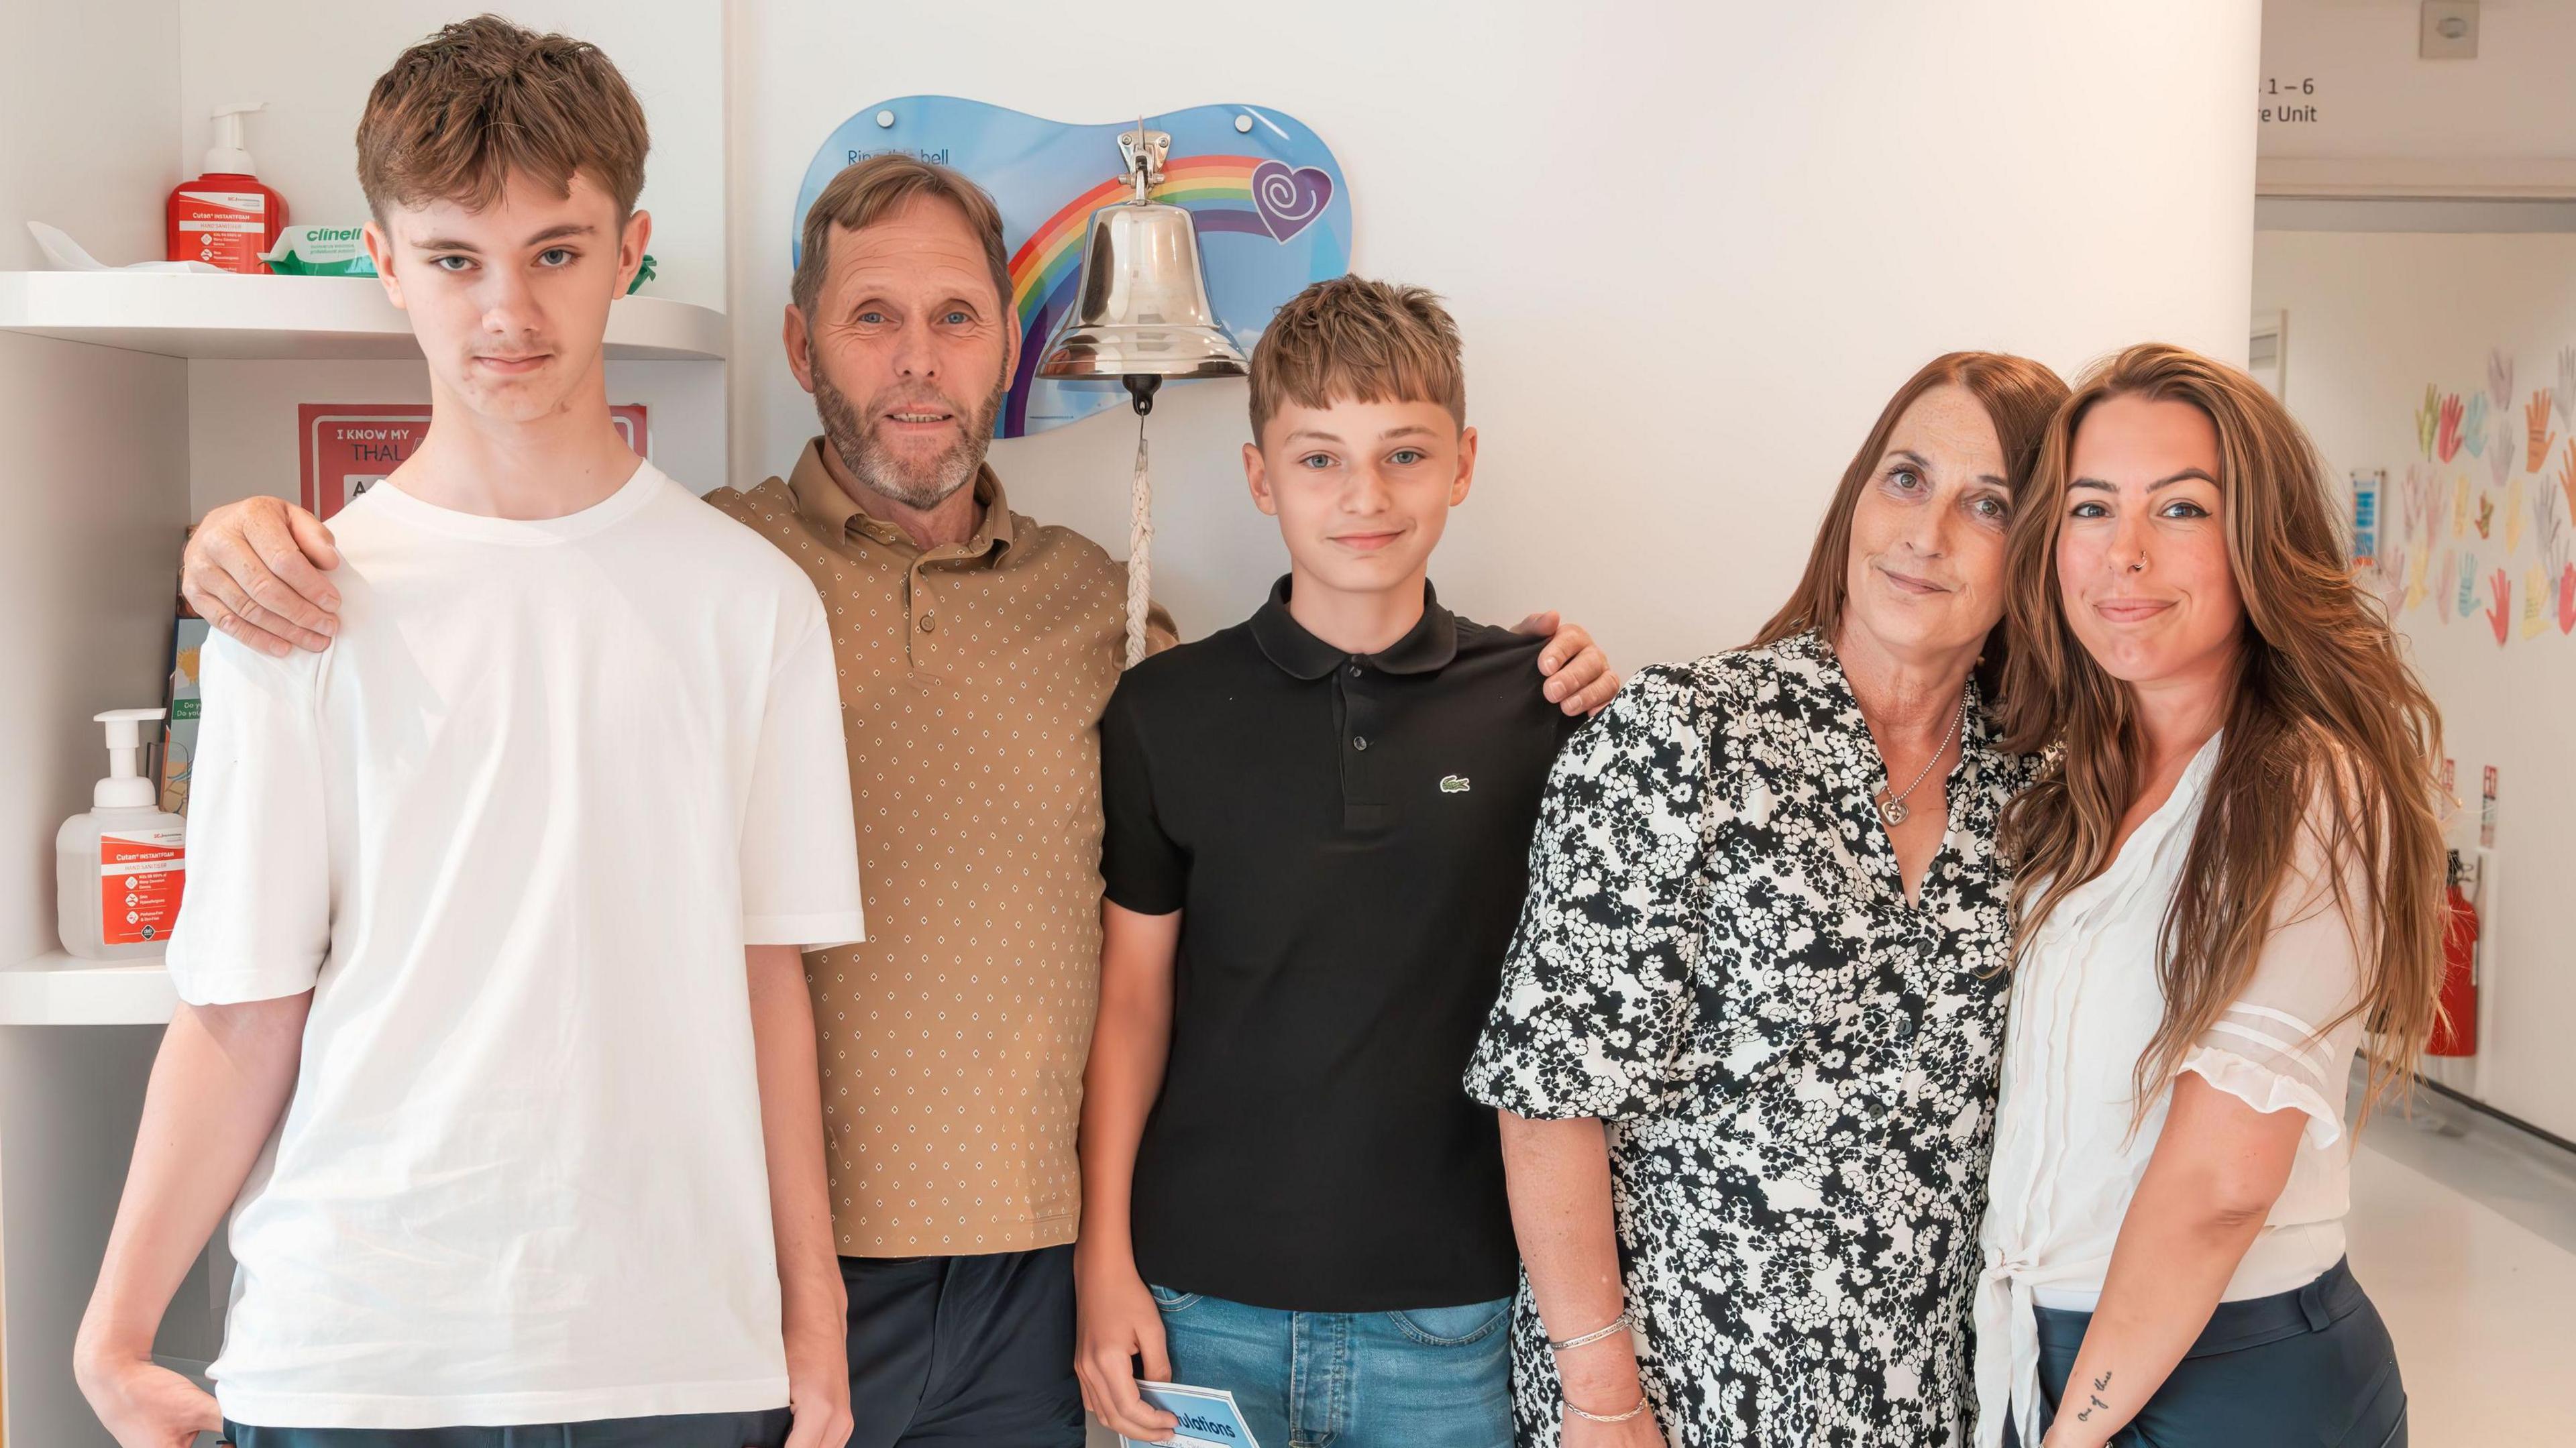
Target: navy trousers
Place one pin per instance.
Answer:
(675, 1430)
(963, 1352)
(2307, 1369)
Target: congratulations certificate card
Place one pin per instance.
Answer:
(1208, 1415)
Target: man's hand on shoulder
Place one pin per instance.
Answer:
(257, 570)
(1579, 677)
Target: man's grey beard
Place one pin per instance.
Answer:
(921, 488)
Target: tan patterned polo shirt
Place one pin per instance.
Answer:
(972, 680)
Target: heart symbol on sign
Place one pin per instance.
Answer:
(1289, 201)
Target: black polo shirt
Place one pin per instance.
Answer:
(1347, 838)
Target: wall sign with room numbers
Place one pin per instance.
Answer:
(2287, 100)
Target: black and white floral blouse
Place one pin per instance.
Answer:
(1796, 1065)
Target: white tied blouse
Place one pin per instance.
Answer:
(2085, 1001)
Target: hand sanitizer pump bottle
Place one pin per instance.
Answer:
(119, 869)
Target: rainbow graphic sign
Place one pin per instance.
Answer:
(1272, 212)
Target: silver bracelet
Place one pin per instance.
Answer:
(1617, 1325)
(1606, 1417)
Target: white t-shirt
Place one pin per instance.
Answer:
(513, 831)
(2085, 1003)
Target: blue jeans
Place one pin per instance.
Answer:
(1437, 1377)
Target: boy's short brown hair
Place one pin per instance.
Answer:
(867, 192)
(482, 98)
(1355, 340)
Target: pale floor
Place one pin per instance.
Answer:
(2465, 1235)
(2464, 1232)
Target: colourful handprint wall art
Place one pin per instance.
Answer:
(2449, 545)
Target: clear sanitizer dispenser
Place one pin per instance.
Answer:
(119, 869)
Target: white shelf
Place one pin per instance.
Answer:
(203, 315)
(60, 990)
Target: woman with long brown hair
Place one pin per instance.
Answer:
(2233, 866)
(1745, 1048)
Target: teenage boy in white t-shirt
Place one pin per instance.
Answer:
(494, 1033)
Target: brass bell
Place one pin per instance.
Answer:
(1141, 311)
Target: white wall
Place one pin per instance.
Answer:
(2376, 98)
(86, 110)
(2373, 318)
(1692, 248)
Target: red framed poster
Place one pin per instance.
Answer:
(345, 448)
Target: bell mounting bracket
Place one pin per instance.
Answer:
(1145, 152)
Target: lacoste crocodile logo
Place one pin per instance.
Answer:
(1453, 784)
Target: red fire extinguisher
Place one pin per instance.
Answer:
(2456, 1032)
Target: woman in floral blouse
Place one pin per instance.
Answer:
(1745, 1049)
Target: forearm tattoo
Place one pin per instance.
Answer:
(2100, 1385)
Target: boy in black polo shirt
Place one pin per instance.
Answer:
(1317, 829)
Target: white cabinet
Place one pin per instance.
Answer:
(93, 501)
(56, 990)
(234, 318)
(76, 1046)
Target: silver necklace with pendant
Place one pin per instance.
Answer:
(1891, 809)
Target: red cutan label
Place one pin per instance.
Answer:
(141, 874)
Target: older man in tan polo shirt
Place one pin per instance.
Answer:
(977, 648)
